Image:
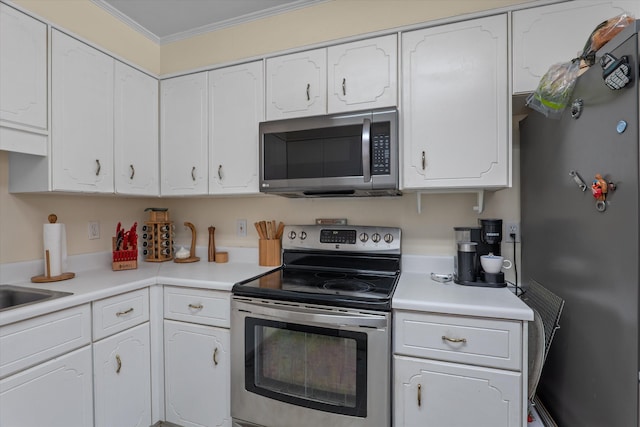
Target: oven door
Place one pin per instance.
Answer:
(308, 365)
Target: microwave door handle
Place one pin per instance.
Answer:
(366, 150)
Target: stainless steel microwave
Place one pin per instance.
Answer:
(350, 154)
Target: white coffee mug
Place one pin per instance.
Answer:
(493, 263)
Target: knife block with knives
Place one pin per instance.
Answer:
(269, 244)
(125, 249)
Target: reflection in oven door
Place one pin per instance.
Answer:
(309, 365)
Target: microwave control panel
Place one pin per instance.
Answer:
(381, 149)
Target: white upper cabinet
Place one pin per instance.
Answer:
(347, 77)
(236, 106)
(136, 145)
(23, 82)
(82, 116)
(297, 85)
(455, 111)
(184, 140)
(546, 35)
(363, 74)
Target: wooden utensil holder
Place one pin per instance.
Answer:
(269, 252)
(123, 260)
(156, 250)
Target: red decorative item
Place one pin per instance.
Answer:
(125, 249)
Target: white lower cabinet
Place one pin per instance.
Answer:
(55, 393)
(122, 379)
(458, 371)
(433, 393)
(197, 370)
(122, 360)
(196, 375)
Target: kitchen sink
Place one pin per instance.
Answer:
(18, 296)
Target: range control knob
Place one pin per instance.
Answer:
(363, 237)
(388, 238)
(303, 235)
(292, 235)
(375, 237)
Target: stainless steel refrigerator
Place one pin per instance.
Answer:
(584, 251)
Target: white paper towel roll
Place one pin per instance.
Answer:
(55, 241)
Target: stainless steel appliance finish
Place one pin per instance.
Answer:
(586, 256)
(312, 338)
(19, 296)
(350, 154)
(285, 408)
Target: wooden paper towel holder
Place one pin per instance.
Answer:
(47, 277)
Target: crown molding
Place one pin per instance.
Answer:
(276, 10)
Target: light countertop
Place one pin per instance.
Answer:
(95, 280)
(416, 291)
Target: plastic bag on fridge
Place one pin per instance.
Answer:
(554, 91)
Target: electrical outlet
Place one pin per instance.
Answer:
(241, 227)
(94, 230)
(511, 227)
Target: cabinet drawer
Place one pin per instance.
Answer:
(202, 306)
(31, 341)
(115, 314)
(477, 341)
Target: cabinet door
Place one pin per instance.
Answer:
(136, 142)
(122, 379)
(236, 99)
(455, 94)
(546, 35)
(57, 393)
(297, 85)
(431, 393)
(196, 367)
(363, 75)
(23, 69)
(183, 143)
(82, 116)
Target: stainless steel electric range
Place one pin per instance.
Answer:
(313, 336)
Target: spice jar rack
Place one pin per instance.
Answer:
(157, 237)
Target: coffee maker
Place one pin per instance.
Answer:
(471, 244)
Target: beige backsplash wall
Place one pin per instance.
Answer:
(430, 233)
(22, 215)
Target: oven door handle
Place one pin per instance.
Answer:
(307, 315)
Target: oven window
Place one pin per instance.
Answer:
(319, 368)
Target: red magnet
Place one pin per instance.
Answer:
(599, 188)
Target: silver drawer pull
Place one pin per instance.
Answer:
(196, 306)
(119, 362)
(462, 340)
(124, 313)
(215, 356)
(419, 394)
